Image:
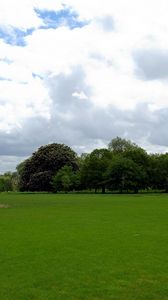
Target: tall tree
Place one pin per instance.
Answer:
(94, 168)
(119, 145)
(124, 174)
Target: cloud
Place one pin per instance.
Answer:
(18, 14)
(81, 73)
(82, 125)
(106, 22)
(9, 163)
(152, 64)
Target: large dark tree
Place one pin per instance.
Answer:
(37, 172)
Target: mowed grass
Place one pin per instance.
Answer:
(83, 247)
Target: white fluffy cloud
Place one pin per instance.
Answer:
(122, 52)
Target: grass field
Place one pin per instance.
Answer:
(56, 247)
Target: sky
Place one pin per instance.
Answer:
(81, 72)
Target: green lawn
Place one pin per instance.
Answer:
(56, 247)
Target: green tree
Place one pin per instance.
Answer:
(158, 172)
(119, 145)
(94, 168)
(2, 185)
(15, 181)
(63, 180)
(124, 174)
(5, 183)
(141, 158)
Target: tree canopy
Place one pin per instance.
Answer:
(122, 167)
(119, 145)
(37, 171)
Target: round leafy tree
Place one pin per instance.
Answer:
(43, 164)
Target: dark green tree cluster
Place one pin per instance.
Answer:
(123, 167)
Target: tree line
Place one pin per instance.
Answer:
(122, 167)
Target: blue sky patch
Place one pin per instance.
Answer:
(66, 17)
(15, 36)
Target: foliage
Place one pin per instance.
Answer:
(119, 145)
(8, 182)
(159, 172)
(94, 168)
(44, 163)
(62, 181)
(124, 166)
(66, 180)
(124, 174)
(40, 181)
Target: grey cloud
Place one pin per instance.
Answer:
(22, 141)
(80, 124)
(9, 163)
(159, 133)
(151, 64)
(62, 87)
